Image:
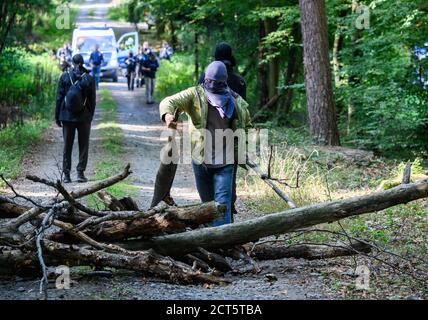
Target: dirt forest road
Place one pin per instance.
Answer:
(141, 128)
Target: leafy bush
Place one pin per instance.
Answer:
(389, 109)
(118, 13)
(27, 80)
(174, 76)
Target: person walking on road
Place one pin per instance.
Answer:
(140, 58)
(96, 60)
(212, 109)
(150, 67)
(75, 107)
(131, 65)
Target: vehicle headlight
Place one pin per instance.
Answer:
(113, 62)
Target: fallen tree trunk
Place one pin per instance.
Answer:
(172, 219)
(11, 210)
(282, 222)
(147, 262)
(309, 251)
(114, 204)
(35, 211)
(214, 260)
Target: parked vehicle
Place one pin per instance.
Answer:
(114, 52)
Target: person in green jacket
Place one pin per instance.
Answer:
(218, 122)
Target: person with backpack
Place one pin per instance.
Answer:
(223, 53)
(213, 110)
(150, 67)
(131, 65)
(96, 59)
(75, 107)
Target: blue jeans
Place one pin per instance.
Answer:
(96, 73)
(215, 184)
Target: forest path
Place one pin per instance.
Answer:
(142, 127)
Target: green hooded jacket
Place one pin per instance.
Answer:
(192, 101)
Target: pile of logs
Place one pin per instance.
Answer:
(168, 242)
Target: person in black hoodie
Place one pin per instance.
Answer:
(223, 53)
(131, 65)
(71, 121)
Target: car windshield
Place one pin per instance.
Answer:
(87, 43)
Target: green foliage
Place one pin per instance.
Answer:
(14, 141)
(377, 69)
(174, 76)
(27, 81)
(35, 24)
(118, 13)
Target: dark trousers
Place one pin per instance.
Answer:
(131, 79)
(83, 133)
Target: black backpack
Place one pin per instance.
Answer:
(74, 100)
(132, 64)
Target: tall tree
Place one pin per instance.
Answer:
(318, 83)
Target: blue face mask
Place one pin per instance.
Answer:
(219, 96)
(215, 86)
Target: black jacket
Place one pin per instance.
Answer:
(88, 86)
(234, 81)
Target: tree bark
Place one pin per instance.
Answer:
(309, 251)
(293, 67)
(353, 79)
(173, 219)
(319, 89)
(35, 211)
(271, 25)
(9, 209)
(262, 87)
(146, 262)
(283, 222)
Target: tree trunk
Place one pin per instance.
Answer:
(352, 77)
(309, 251)
(146, 262)
(293, 67)
(319, 89)
(283, 222)
(336, 48)
(271, 25)
(262, 87)
(172, 219)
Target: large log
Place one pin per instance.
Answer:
(11, 210)
(173, 219)
(147, 262)
(309, 251)
(32, 213)
(282, 222)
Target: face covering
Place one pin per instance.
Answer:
(216, 90)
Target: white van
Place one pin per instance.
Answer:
(114, 52)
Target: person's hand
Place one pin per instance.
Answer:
(58, 123)
(169, 121)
